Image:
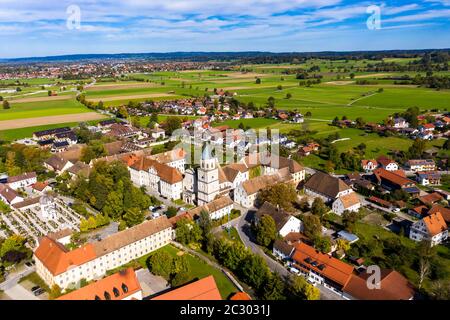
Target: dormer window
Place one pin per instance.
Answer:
(107, 295)
(124, 288)
(116, 292)
(97, 297)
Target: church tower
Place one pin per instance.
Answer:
(208, 177)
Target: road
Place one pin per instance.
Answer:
(243, 228)
(13, 278)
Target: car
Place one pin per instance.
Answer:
(35, 288)
(396, 210)
(38, 292)
(182, 209)
(156, 209)
(29, 264)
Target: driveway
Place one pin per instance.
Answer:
(150, 283)
(17, 292)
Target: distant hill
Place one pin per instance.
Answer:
(220, 56)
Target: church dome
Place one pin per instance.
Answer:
(46, 199)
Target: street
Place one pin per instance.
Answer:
(243, 228)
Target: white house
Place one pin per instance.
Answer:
(369, 165)
(432, 228)
(55, 264)
(158, 133)
(9, 195)
(349, 202)
(387, 164)
(282, 250)
(284, 222)
(23, 180)
(421, 165)
(175, 158)
(245, 194)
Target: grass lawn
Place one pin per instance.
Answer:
(200, 270)
(232, 235)
(252, 123)
(34, 278)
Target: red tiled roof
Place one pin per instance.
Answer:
(241, 296)
(431, 198)
(115, 287)
(204, 289)
(336, 270)
(392, 177)
(435, 223)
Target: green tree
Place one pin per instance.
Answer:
(205, 223)
(299, 289)
(254, 271)
(172, 124)
(319, 208)
(273, 288)
(171, 211)
(55, 292)
(266, 231)
(6, 105)
(322, 244)
(282, 194)
(188, 232)
(160, 263)
(312, 227)
(133, 216)
(114, 205)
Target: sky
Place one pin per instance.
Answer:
(30, 28)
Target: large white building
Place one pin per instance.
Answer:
(55, 264)
(175, 158)
(158, 177)
(432, 228)
(22, 181)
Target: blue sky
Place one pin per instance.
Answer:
(39, 27)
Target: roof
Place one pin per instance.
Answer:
(60, 234)
(254, 185)
(420, 210)
(57, 259)
(204, 289)
(131, 235)
(115, 287)
(420, 162)
(333, 269)
(384, 203)
(393, 287)
(392, 177)
(435, 223)
(431, 198)
(213, 206)
(385, 161)
(80, 168)
(26, 202)
(170, 156)
(21, 177)
(350, 237)
(445, 212)
(8, 193)
(325, 184)
(242, 296)
(366, 162)
(284, 247)
(280, 216)
(349, 200)
(165, 172)
(39, 186)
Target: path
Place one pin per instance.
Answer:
(370, 95)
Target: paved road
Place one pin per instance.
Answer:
(15, 277)
(243, 228)
(17, 292)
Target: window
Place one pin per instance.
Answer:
(116, 292)
(124, 288)
(107, 295)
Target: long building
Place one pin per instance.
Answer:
(55, 264)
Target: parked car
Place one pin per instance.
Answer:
(35, 288)
(38, 292)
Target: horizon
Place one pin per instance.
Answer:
(48, 29)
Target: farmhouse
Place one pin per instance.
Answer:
(392, 180)
(326, 187)
(349, 202)
(387, 164)
(369, 165)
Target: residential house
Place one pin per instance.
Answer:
(432, 228)
(421, 165)
(349, 202)
(245, 194)
(282, 250)
(369, 165)
(22, 181)
(387, 164)
(431, 198)
(392, 181)
(9, 195)
(428, 178)
(400, 123)
(284, 222)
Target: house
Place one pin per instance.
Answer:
(432, 228)
(427, 128)
(349, 202)
(321, 268)
(56, 264)
(421, 165)
(380, 202)
(418, 212)
(62, 236)
(284, 222)
(444, 194)
(387, 164)
(158, 133)
(428, 178)
(392, 180)
(203, 289)
(431, 198)
(282, 250)
(393, 286)
(50, 133)
(123, 285)
(22, 181)
(324, 186)
(369, 165)
(9, 195)
(175, 158)
(400, 123)
(217, 209)
(445, 212)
